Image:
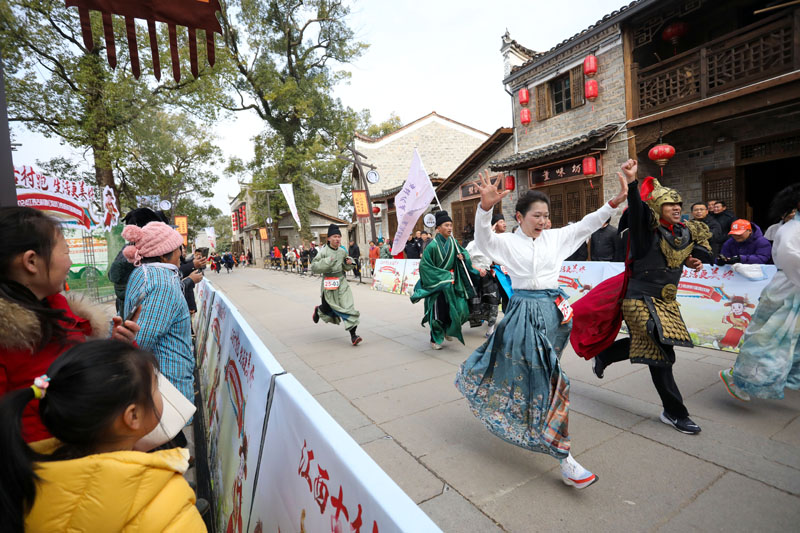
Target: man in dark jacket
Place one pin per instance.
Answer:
(354, 252)
(746, 245)
(700, 213)
(723, 215)
(412, 249)
(604, 243)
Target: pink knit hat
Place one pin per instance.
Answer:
(153, 240)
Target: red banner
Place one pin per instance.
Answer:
(704, 290)
(47, 202)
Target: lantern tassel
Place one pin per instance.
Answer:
(662, 172)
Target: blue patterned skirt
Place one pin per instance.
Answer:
(514, 382)
(769, 359)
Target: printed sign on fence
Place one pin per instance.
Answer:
(315, 477)
(410, 276)
(388, 275)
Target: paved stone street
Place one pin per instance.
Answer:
(396, 397)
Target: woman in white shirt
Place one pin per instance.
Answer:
(514, 382)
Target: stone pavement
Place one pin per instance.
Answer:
(396, 397)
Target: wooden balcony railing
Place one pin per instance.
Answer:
(756, 52)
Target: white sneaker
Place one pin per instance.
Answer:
(448, 338)
(436, 346)
(490, 331)
(572, 473)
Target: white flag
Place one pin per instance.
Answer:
(288, 193)
(412, 200)
(211, 233)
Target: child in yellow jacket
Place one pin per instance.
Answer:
(98, 400)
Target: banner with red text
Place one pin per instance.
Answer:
(315, 477)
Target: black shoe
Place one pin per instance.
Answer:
(683, 424)
(598, 367)
(354, 337)
(315, 316)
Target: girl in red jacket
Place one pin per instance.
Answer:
(39, 322)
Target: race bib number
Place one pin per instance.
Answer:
(330, 284)
(566, 309)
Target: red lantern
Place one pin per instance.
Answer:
(524, 97)
(510, 183)
(525, 116)
(674, 32)
(591, 90)
(589, 165)
(376, 210)
(661, 154)
(590, 66)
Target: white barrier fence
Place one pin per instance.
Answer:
(278, 461)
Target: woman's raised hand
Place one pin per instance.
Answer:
(629, 169)
(490, 194)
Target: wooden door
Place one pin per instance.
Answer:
(572, 201)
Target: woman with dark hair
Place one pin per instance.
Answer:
(39, 322)
(769, 359)
(98, 400)
(514, 383)
(165, 321)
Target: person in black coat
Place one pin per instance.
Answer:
(354, 252)
(700, 213)
(604, 243)
(724, 216)
(412, 249)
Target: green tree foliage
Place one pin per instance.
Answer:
(285, 54)
(393, 123)
(57, 86)
(224, 231)
(170, 156)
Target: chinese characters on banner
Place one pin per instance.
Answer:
(320, 479)
(69, 199)
(360, 203)
(311, 475)
(470, 189)
(562, 170)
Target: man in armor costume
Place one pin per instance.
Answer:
(660, 245)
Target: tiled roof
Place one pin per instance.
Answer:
(606, 19)
(368, 139)
(473, 162)
(552, 151)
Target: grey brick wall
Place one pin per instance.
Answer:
(609, 107)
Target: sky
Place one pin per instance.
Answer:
(433, 55)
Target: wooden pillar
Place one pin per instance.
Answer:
(630, 69)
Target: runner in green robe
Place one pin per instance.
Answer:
(444, 284)
(337, 300)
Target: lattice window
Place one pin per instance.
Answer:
(668, 87)
(574, 211)
(753, 58)
(557, 210)
(562, 94)
(592, 197)
(769, 149)
(720, 189)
